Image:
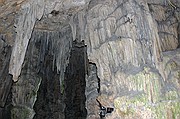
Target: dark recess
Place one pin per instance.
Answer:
(75, 83)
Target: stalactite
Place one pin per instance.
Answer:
(60, 44)
(38, 66)
(30, 12)
(73, 27)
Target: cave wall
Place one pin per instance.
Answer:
(92, 91)
(133, 43)
(126, 41)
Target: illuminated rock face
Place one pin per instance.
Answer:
(126, 42)
(134, 45)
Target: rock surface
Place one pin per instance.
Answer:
(134, 45)
(92, 92)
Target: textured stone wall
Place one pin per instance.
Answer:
(125, 40)
(92, 92)
(132, 42)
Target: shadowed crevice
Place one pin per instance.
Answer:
(75, 83)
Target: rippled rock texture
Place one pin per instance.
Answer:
(131, 37)
(132, 47)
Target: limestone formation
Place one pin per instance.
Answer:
(132, 63)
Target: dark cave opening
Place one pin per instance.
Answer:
(66, 99)
(75, 83)
(55, 100)
(49, 103)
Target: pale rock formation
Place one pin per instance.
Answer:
(30, 12)
(127, 38)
